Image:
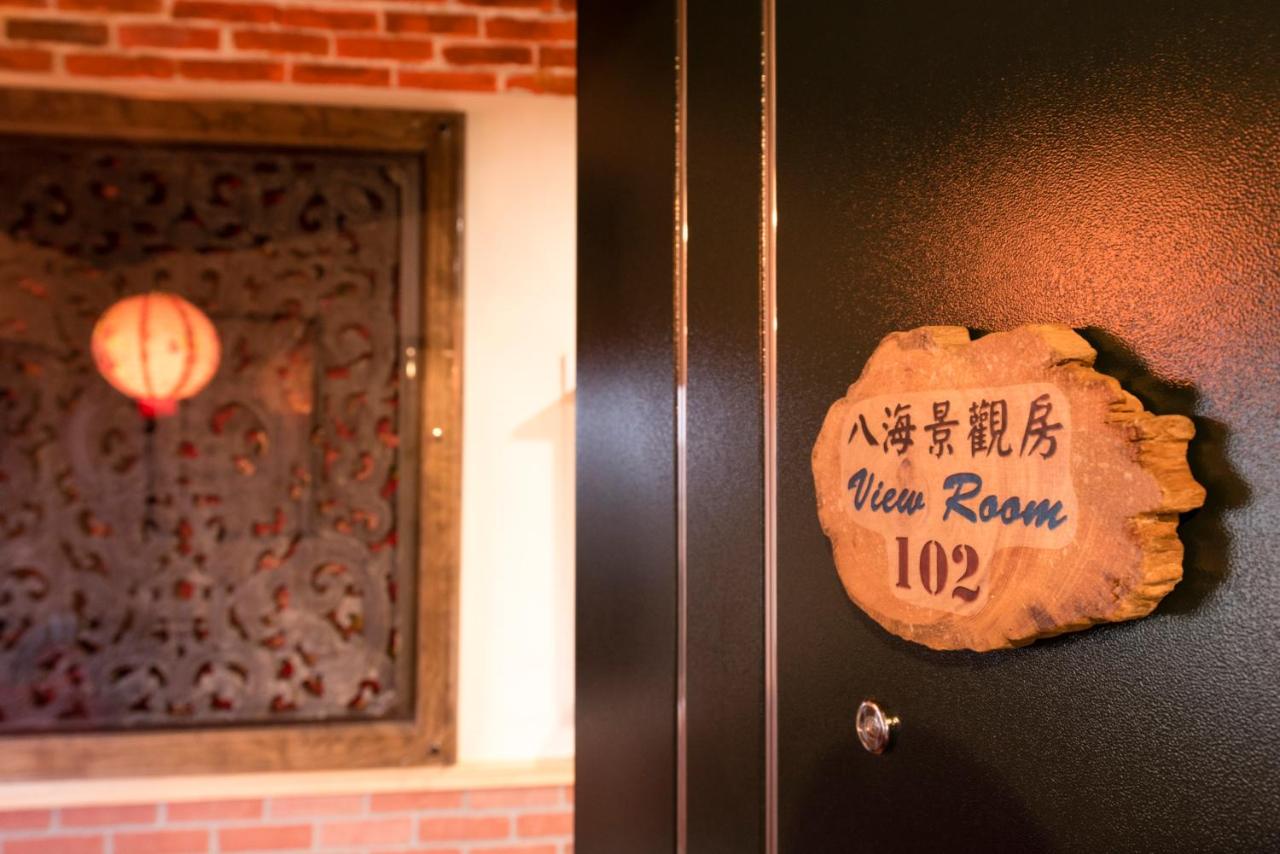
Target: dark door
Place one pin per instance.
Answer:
(1114, 167)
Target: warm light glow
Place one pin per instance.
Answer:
(157, 348)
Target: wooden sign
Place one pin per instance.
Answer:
(983, 494)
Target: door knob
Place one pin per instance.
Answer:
(875, 727)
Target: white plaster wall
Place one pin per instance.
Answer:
(516, 646)
(516, 687)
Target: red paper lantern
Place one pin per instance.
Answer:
(157, 348)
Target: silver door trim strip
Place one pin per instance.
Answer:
(769, 345)
(682, 379)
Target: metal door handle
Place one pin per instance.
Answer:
(875, 727)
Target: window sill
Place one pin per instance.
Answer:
(206, 787)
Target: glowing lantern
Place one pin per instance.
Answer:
(157, 348)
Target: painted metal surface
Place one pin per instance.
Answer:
(627, 577)
(1112, 167)
(726, 437)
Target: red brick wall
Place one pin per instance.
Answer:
(483, 821)
(456, 45)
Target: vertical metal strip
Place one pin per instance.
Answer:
(769, 345)
(682, 378)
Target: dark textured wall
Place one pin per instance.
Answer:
(1110, 166)
(625, 452)
(1113, 167)
(725, 439)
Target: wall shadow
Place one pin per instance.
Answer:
(1203, 532)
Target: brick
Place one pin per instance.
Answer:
(372, 831)
(231, 70)
(449, 81)
(318, 805)
(115, 65)
(426, 24)
(213, 810)
(519, 849)
(413, 801)
(25, 4)
(569, 5)
(341, 75)
(114, 814)
(511, 4)
(215, 10)
(488, 55)
(134, 6)
(545, 824)
(530, 28)
(557, 57)
(374, 47)
(162, 842)
(464, 827)
(166, 35)
(281, 42)
(568, 794)
(292, 837)
(25, 819)
(328, 19)
(25, 59)
(56, 845)
(543, 84)
(523, 797)
(66, 32)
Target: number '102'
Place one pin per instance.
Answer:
(933, 568)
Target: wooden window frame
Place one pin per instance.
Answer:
(430, 737)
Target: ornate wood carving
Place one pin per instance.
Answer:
(283, 550)
(241, 560)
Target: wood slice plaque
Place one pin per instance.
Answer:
(980, 494)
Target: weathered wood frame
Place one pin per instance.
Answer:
(430, 736)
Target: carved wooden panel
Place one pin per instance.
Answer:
(252, 558)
